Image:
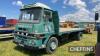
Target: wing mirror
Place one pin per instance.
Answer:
(96, 16)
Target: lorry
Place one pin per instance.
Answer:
(89, 26)
(5, 31)
(67, 24)
(38, 28)
(11, 22)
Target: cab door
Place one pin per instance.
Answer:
(48, 21)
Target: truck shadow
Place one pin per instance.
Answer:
(6, 39)
(30, 52)
(65, 42)
(37, 52)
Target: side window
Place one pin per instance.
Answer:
(48, 15)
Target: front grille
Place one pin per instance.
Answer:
(24, 34)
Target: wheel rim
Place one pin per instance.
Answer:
(53, 45)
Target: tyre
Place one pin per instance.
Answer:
(52, 45)
(79, 36)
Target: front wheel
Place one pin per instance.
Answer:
(52, 45)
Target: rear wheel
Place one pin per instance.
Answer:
(52, 45)
(79, 36)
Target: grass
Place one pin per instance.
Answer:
(8, 48)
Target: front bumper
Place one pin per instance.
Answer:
(29, 47)
(25, 46)
(28, 42)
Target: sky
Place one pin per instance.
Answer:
(69, 10)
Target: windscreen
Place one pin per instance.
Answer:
(31, 14)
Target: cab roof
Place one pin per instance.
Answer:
(41, 5)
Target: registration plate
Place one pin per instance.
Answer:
(21, 45)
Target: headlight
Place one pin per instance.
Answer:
(26, 34)
(17, 32)
(22, 33)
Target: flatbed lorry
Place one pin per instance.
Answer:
(6, 32)
(38, 27)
